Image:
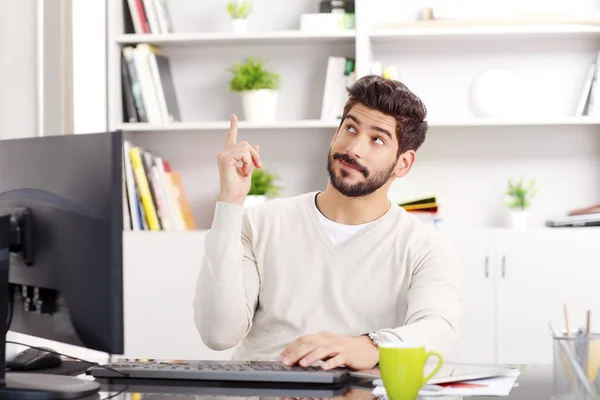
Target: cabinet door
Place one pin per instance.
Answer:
(540, 271)
(476, 335)
(159, 279)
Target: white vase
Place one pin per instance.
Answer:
(518, 219)
(254, 200)
(260, 105)
(239, 25)
(491, 94)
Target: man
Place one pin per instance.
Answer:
(327, 276)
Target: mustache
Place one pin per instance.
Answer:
(352, 162)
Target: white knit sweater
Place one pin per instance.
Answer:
(270, 274)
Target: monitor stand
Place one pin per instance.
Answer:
(21, 385)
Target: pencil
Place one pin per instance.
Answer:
(567, 320)
(588, 323)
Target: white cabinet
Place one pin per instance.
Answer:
(539, 272)
(516, 282)
(477, 327)
(160, 272)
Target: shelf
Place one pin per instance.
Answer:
(492, 122)
(415, 31)
(281, 37)
(224, 125)
(318, 124)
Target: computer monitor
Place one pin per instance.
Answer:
(61, 251)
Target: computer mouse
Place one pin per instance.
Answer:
(33, 359)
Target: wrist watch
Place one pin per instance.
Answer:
(376, 337)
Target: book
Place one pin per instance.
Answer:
(426, 200)
(429, 204)
(573, 221)
(148, 88)
(340, 74)
(154, 195)
(148, 16)
(589, 103)
(584, 99)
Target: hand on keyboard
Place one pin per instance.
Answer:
(335, 350)
(218, 370)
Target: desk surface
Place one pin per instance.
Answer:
(535, 382)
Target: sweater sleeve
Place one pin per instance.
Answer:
(434, 298)
(228, 283)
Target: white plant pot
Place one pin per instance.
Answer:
(518, 219)
(260, 105)
(239, 25)
(254, 200)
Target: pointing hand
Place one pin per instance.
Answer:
(236, 163)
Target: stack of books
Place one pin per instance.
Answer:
(340, 75)
(589, 102)
(147, 84)
(154, 198)
(579, 217)
(148, 16)
(426, 209)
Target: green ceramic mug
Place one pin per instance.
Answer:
(402, 369)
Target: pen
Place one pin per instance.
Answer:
(588, 323)
(567, 325)
(576, 367)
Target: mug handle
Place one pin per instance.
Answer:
(440, 362)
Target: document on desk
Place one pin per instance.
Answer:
(497, 386)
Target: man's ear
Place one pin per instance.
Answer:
(405, 163)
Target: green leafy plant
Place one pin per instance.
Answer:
(239, 9)
(251, 74)
(520, 194)
(263, 183)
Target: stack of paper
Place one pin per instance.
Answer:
(496, 386)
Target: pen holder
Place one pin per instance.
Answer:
(576, 367)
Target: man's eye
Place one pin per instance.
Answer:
(379, 140)
(350, 128)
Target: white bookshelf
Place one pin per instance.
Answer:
(224, 125)
(284, 37)
(321, 124)
(517, 122)
(538, 32)
(437, 61)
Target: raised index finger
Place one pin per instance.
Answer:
(232, 134)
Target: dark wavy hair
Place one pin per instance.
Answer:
(392, 98)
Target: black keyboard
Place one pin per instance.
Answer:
(255, 371)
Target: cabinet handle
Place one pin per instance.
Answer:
(503, 266)
(487, 266)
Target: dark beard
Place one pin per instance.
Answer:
(368, 186)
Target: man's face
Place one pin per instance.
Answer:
(363, 154)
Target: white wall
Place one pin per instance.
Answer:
(89, 66)
(410, 9)
(17, 69)
(89, 91)
(35, 95)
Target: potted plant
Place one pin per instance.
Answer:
(258, 88)
(239, 10)
(519, 196)
(262, 187)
